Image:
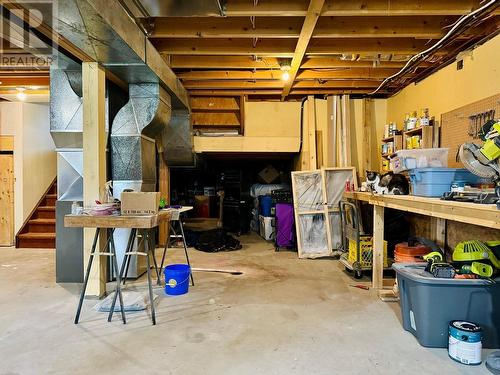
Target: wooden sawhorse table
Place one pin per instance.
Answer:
(144, 224)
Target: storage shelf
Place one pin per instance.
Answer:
(416, 130)
(212, 109)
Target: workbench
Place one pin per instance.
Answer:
(486, 215)
(108, 223)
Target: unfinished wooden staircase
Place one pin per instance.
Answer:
(39, 231)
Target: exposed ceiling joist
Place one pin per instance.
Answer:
(278, 8)
(425, 27)
(248, 62)
(277, 84)
(276, 93)
(285, 47)
(313, 13)
(326, 74)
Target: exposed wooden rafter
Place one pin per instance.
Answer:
(313, 13)
(278, 8)
(425, 27)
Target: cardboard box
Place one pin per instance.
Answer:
(140, 203)
(269, 174)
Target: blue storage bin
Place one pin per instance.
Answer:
(266, 205)
(428, 304)
(433, 182)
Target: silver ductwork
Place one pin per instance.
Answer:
(135, 129)
(66, 128)
(127, 53)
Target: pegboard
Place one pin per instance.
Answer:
(455, 126)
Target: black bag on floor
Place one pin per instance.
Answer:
(215, 240)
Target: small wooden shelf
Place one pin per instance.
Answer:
(427, 136)
(416, 130)
(212, 109)
(218, 113)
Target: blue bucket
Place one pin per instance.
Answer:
(177, 279)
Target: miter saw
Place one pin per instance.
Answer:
(484, 160)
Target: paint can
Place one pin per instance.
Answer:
(464, 342)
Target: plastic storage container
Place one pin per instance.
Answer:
(419, 158)
(429, 304)
(266, 205)
(433, 182)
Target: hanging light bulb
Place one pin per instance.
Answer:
(21, 95)
(285, 76)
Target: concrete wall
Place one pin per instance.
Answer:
(450, 88)
(269, 127)
(34, 155)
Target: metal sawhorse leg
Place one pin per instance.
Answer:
(148, 251)
(173, 235)
(110, 243)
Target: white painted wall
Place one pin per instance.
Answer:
(34, 153)
(39, 156)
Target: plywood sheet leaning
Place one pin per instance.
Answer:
(6, 200)
(335, 181)
(316, 195)
(456, 125)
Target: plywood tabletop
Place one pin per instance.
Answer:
(117, 221)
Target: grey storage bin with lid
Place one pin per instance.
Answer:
(428, 304)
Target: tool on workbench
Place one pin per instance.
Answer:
(484, 160)
(360, 286)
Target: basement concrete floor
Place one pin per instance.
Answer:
(282, 316)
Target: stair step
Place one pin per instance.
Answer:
(46, 212)
(42, 225)
(50, 199)
(46, 208)
(38, 236)
(37, 240)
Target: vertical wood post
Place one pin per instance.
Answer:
(311, 132)
(164, 184)
(94, 162)
(366, 162)
(378, 247)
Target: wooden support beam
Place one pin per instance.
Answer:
(276, 92)
(278, 8)
(404, 46)
(227, 27)
(423, 27)
(248, 62)
(378, 247)
(367, 126)
(325, 74)
(242, 84)
(313, 13)
(264, 47)
(311, 132)
(94, 162)
(24, 80)
(284, 47)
